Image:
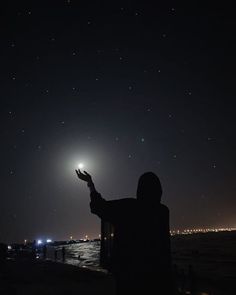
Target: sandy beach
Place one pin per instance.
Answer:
(47, 277)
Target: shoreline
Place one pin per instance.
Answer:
(48, 277)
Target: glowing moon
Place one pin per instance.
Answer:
(81, 165)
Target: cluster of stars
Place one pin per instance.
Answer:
(129, 83)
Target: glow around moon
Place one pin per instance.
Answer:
(80, 165)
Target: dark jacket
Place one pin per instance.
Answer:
(141, 233)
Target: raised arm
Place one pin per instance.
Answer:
(87, 178)
(99, 206)
(97, 202)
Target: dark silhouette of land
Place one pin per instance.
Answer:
(40, 277)
(140, 256)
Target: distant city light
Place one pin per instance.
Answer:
(39, 242)
(201, 230)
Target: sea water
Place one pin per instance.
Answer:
(84, 254)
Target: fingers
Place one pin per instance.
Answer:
(87, 173)
(78, 172)
(83, 176)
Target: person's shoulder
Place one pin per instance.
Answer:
(125, 201)
(164, 208)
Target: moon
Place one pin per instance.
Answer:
(81, 165)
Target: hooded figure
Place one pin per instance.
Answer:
(149, 188)
(138, 248)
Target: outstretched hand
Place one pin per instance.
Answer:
(84, 176)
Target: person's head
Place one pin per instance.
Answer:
(149, 188)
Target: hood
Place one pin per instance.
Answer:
(149, 188)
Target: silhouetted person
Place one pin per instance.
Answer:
(34, 249)
(63, 250)
(141, 259)
(3, 256)
(44, 251)
(55, 254)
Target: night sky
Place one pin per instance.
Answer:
(124, 88)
